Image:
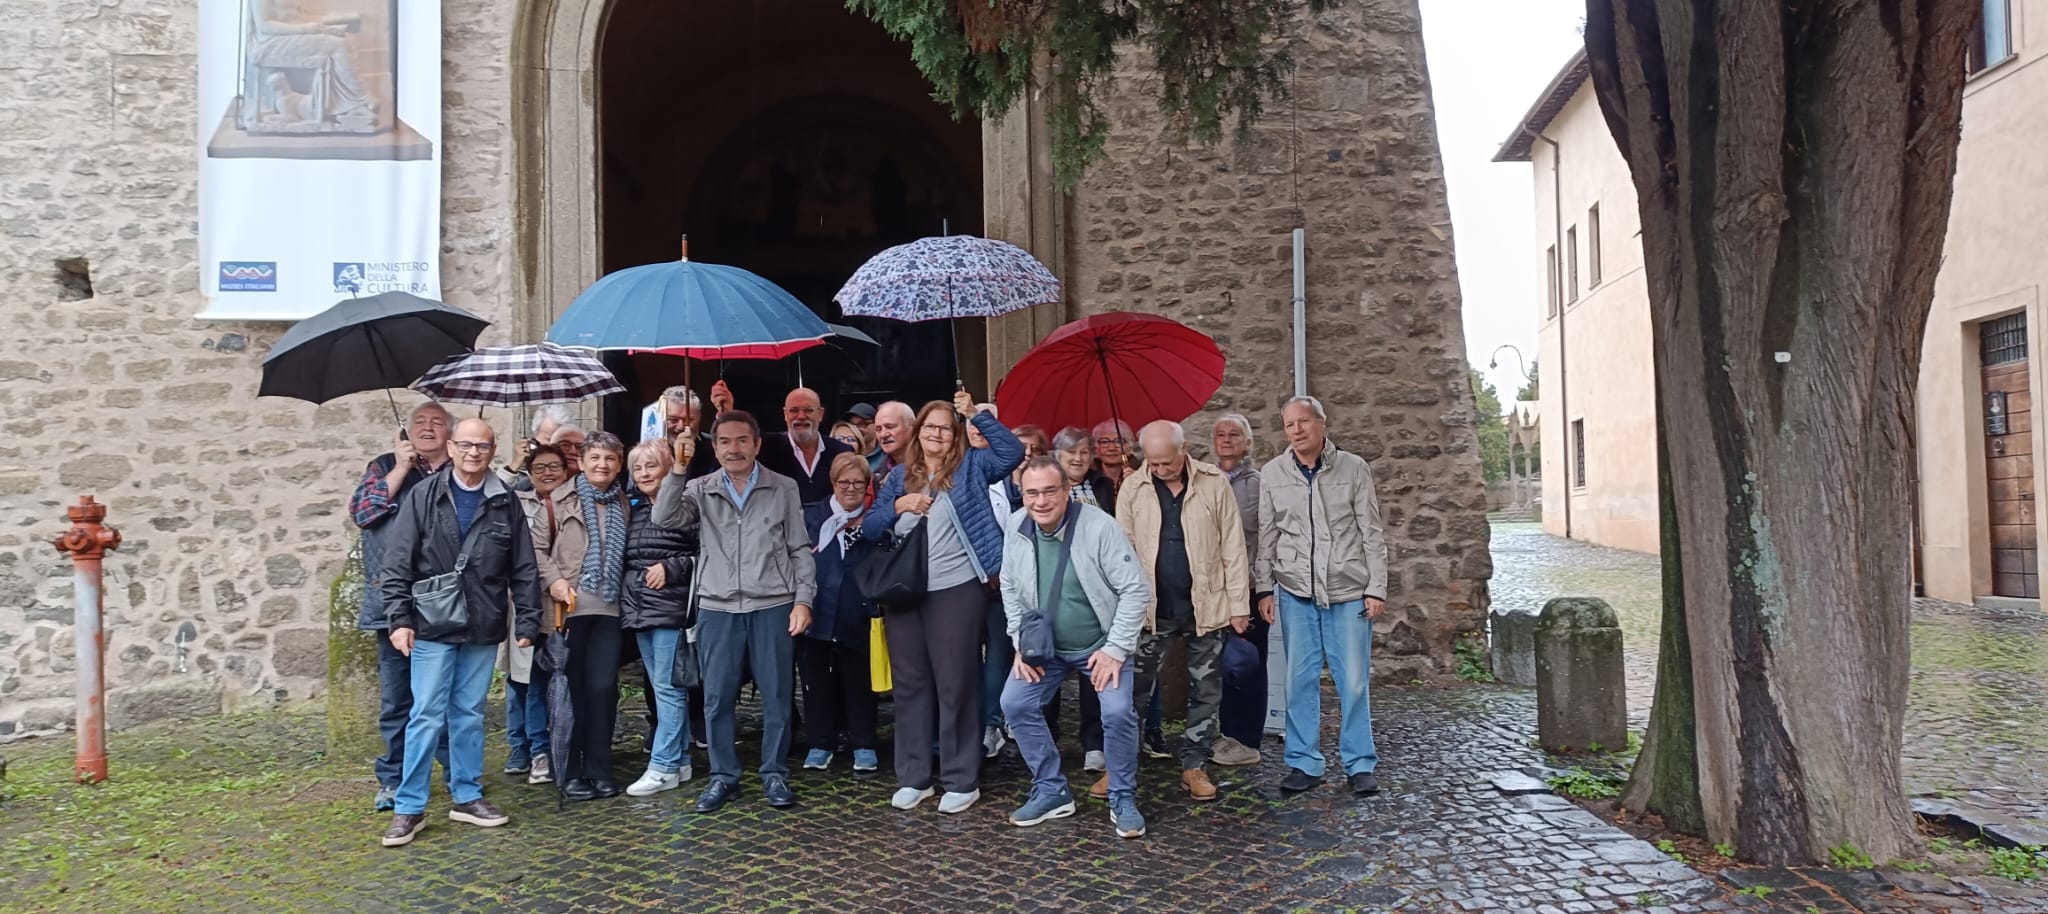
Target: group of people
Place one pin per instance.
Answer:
(737, 555)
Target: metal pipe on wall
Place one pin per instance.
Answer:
(1300, 313)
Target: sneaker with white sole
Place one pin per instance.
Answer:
(1230, 752)
(478, 812)
(818, 760)
(1042, 807)
(992, 741)
(866, 760)
(909, 797)
(1124, 815)
(653, 782)
(958, 802)
(1094, 761)
(542, 772)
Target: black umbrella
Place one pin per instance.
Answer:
(553, 656)
(383, 341)
(849, 343)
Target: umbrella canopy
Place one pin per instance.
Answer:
(701, 310)
(383, 341)
(1136, 367)
(519, 376)
(842, 335)
(941, 278)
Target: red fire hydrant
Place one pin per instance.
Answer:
(87, 542)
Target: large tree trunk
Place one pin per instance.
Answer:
(1666, 777)
(1793, 164)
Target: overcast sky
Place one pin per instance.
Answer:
(1487, 61)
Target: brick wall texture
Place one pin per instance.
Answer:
(232, 508)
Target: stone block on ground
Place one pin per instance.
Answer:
(175, 699)
(1513, 649)
(1581, 682)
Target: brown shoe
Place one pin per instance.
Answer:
(403, 827)
(1101, 789)
(478, 812)
(1196, 782)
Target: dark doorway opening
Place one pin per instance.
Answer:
(794, 139)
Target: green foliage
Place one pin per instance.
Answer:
(1214, 61)
(1473, 664)
(1756, 891)
(2019, 864)
(1585, 785)
(1493, 429)
(1849, 857)
(1530, 390)
(1725, 849)
(1670, 848)
(1941, 845)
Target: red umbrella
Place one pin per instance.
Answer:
(1136, 367)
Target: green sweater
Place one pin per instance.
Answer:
(1076, 629)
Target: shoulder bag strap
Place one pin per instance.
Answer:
(1059, 571)
(476, 526)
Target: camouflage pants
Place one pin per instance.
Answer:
(1205, 683)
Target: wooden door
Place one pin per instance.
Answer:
(2009, 457)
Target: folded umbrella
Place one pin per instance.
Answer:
(360, 344)
(1136, 367)
(532, 375)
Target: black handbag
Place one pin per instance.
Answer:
(894, 573)
(687, 673)
(1034, 628)
(438, 608)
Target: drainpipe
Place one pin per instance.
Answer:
(1564, 401)
(1300, 314)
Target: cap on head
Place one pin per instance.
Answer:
(863, 410)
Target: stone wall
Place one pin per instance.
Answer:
(232, 508)
(1203, 236)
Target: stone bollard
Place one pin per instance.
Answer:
(353, 692)
(1514, 645)
(1581, 686)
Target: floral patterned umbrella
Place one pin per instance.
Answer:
(933, 279)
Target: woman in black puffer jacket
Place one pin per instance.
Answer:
(654, 607)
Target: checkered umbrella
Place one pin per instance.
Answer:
(519, 376)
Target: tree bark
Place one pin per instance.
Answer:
(1666, 777)
(1793, 164)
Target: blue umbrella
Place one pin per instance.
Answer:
(701, 310)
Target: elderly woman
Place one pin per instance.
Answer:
(654, 608)
(1115, 447)
(526, 682)
(833, 654)
(935, 643)
(582, 557)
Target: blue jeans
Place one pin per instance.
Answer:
(1024, 705)
(761, 640)
(449, 685)
(666, 749)
(526, 715)
(996, 659)
(394, 687)
(1342, 636)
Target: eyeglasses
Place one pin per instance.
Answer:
(1105, 442)
(849, 483)
(1043, 494)
(569, 447)
(939, 428)
(554, 467)
(469, 447)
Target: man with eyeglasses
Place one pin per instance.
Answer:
(803, 453)
(465, 523)
(418, 451)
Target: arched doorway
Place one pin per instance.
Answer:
(792, 138)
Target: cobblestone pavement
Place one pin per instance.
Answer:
(243, 814)
(1975, 732)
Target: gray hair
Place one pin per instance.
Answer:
(1173, 430)
(1243, 424)
(909, 415)
(684, 397)
(434, 405)
(1121, 428)
(1315, 406)
(554, 412)
(1071, 437)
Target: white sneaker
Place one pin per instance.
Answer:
(909, 797)
(992, 742)
(653, 782)
(684, 774)
(958, 802)
(1094, 761)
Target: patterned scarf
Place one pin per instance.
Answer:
(604, 562)
(836, 528)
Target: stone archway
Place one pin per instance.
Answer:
(557, 185)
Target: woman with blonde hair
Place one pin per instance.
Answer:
(654, 609)
(935, 643)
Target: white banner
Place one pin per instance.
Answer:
(319, 153)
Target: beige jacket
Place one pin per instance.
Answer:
(1321, 541)
(1215, 541)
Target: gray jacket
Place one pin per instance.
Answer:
(1104, 562)
(750, 559)
(1321, 541)
(1244, 483)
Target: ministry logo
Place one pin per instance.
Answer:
(248, 276)
(349, 277)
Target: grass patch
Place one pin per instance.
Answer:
(2019, 864)
(1585, 785)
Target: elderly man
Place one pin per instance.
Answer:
(802, 453)
(460, 542)
(1180, 514)
(1070, 575)
(685, 414)
(756, 578)
(1244, 682)
(895, 430)
(417, 452)
(1323, 559)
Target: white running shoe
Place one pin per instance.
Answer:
(653, 782)
(1094, 761)
(909, 797)
(958, 802)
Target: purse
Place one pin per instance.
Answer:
(687, 672)
(894, 574)
(438, 608)
(881, 678)
(1034, 628)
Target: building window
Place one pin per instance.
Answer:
(1571, 263)
(1550, 275)
(1991, 43)
(2003, 340)
(1579, 453)
(1593, 246)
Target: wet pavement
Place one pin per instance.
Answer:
(1975, 731)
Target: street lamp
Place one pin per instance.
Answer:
(1493, 361)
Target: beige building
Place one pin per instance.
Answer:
(1976, 534)
(582, 136)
